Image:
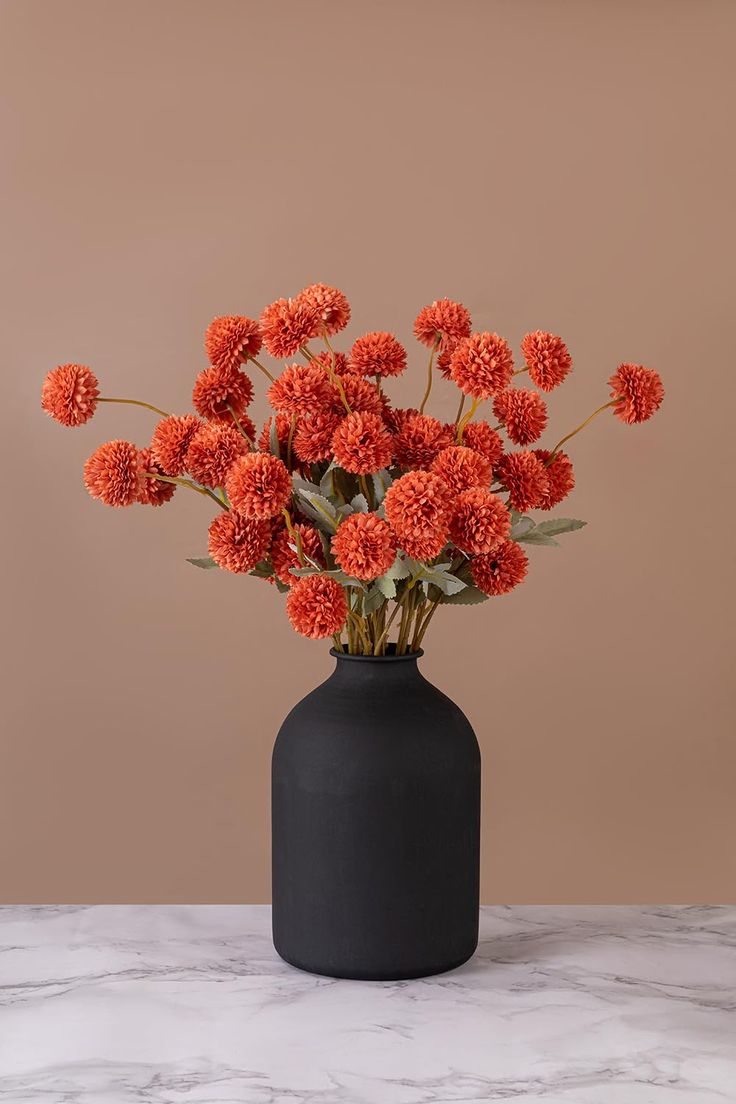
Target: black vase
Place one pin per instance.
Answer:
(376, 826)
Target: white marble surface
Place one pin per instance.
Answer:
(180, 1004)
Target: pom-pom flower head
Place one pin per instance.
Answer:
(547, 359)
(482, 364)
(418, 509)
(217, 393)
(560, 477)
(171, 440)
(258, 485)
(330, 305)
(283, 555)
(524, 414)
(230, 340)
(300, 389)
(480, 520)
(501, 570)
(313, 437)
(462, 468)
(419, 441)
(70, 394)
(442, 321)
(378, 354)
(316, 606)
(152, 492)
(525, 477)
(113, 473)
(639, 391)
(237, 543)
(364, 546)
(482, 438)
(213, 450)
(362, 444)
(288, 324)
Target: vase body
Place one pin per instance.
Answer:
(375, 826)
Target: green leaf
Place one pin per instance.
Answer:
(373, 599)
(359, 504)
(471, 596)
(535, 537)
(273, 437)
(319, 509)
(521, 525)
(300, 484)
(448, 584)
(386, 584)
(381, 483)
(205, 562)
(262, 570)
(327, 484)
(399, 569)
(554, 526)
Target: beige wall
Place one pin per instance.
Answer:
(564, 165)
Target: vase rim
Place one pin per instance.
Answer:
(388, 658)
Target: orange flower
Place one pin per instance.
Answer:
(547, 359)
(237, 543)
(364, 546)
(316, 606)
(397, 418)
(230, 340)
(362, 444)
(69, 394)
(525, 477)
(524, 414)
(482, 364)
(213, 450)
(331, 306)
(444, 360)
(639, 390)
(362, 396)
(418, 508)
(300, 389)
(171, 439)
(283, 557)
(216, 389)
(337, 361)
(152, 492)
(479, 520)
(483, 439)
(113, 473)
(287, 324)
(462, 468)
(501, 570)
(258, 485)
(283, 427)
(560, 476)
(443, 321)
(378, 354)
(419, 441)
(313, 437)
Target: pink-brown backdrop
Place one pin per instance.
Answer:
(563, 165)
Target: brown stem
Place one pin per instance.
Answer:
(582, 425)
(263, 368)
(186, 483)
(461, 427)
(137, 402)
(238, 423)
(290, 441)
(460, 408)
(427, 393)
(382, 638)
(330, 369)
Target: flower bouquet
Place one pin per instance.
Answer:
(369, 518)
(366, 515)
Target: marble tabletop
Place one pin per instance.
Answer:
(190, 1004)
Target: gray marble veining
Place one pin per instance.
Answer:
(190, 1005)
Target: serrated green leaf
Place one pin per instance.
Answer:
(381, 482)
(282, 588)
(319, 509)
(554, 526)
(521, 526)
(373, 599)
(470, 596)
(399, 569)
(327, 484)
(448, 584)
(535, 537)
(386, 585)
(359, 504)
(300, 484)
(205, 562)
(262, 570)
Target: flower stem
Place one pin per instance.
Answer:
(460, 408)
(382, 638)
(334, 378)
(186, 483)
(427, 393)
(290, 441)
(466, 419)
(237, 421)
(263, 368)
(294, 534)
(137, 402)
(582, 425)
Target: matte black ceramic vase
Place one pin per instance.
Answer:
(376, 826)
